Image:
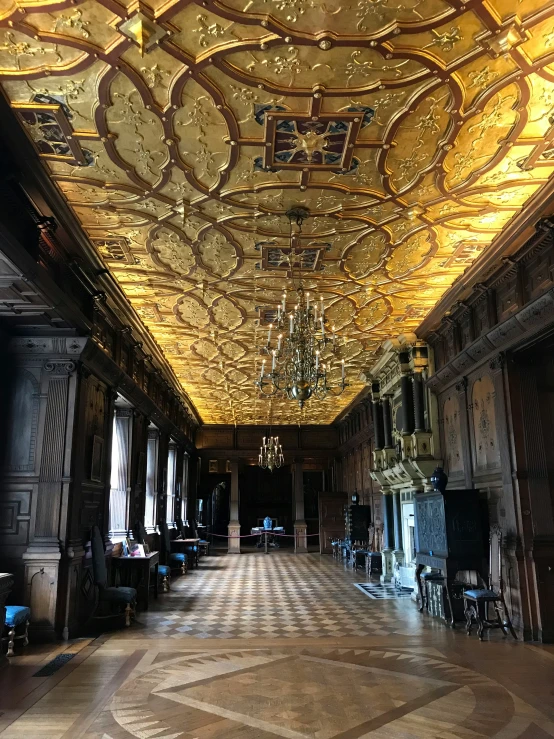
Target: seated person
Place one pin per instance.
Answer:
(268, 523)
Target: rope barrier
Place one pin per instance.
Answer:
(224, 536)
(261, 533)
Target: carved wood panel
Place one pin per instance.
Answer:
(486, 453)
(452, 436)
(23, 419)
(15, 517)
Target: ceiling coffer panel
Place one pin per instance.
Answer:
(180, 133)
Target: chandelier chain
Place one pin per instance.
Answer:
(304, 361)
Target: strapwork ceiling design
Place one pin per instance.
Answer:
(181, 132)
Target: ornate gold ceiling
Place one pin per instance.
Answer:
(181, 132)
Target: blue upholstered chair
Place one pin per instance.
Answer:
(164, 571)
(17, 619)
(188, 531)
(115, 598)
(477, 601)
(175, 560)
(204, 546)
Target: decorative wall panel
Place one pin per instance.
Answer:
(180, 134)
(15, 517)
(22, 440)
(452, 436)
(485, 450)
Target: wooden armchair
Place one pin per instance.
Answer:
(191, 549)
(175, 560)
(113, 597)
(164, 571)
(477, 601)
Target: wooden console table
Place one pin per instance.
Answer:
(135, 572)
(263, 537)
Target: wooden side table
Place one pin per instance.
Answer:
(135, 572)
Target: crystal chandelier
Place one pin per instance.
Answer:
(304, 355)
(271, 453)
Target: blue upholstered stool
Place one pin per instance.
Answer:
(17, 616)
(191, 555)
(164, 574)
(204, 545)
(178, 560)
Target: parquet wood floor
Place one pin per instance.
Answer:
(281, 646)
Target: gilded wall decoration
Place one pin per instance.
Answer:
(182, 133)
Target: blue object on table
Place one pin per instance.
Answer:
(268, 523)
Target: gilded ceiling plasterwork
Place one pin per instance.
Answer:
(181, 132)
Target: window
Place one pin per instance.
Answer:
(185, 487)
(119, 479)
(171, 481)
(408, 532)
(151, 479)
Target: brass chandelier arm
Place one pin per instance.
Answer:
(301, 358)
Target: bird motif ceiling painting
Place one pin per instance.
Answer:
(181, 133)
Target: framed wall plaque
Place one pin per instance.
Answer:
(97, 458)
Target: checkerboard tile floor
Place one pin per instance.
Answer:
(271, 596)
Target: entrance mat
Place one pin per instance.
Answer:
(54, 665)
(380, 591)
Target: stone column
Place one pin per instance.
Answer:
(398, 553)
(387, 422)
(419, 405)
(300, 525)
(388, 535)
(234, 523)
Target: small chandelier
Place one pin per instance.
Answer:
(271, 454)
(305, 354)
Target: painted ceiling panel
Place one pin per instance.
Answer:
(181, 132)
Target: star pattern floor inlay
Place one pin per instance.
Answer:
(334, 665)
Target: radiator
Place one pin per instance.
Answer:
(407, 578)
